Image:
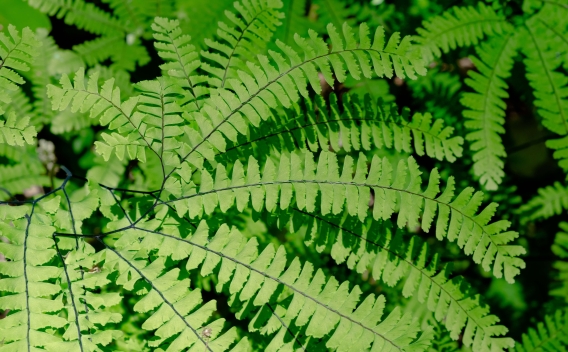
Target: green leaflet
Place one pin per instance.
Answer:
(391, 257)
(14, 132)
(30, 280)
(361, 125)
(181, 60)
(459, 26)
(226, 114)
(119, 32)
(15, 178)
(549, 335)
(177, 311)
(543, 60)
(123, 55)
(320, 303)
(486, 114)
(548, 84)
(16, 55)
(246, 36)
(150, 121)
(560, 249)
(550, 201)
(458, 217)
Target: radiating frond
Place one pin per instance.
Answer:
(15, 179)
(549, 335)
(124, 54)
(182, 60)
(250, 99)
(486, 117)
(84, 15)
(246, 35)
(353, 125)
(30, 284)
(295, 21)
(254, 279)
(459, 26)
(16, 54)
(549, 85)
(392, 256)
(551, 200)
(17, 130)
(105, 103)
(560, 249)
(298, 180)
(27, 279)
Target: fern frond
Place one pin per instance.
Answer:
(353, 125)
(178, 314)
(458, 27)
(105, 104)
(335, 11)
(295, 21)
(17, 131)
(90, 322)
(19, 177)
(108, 172)
(442, 342)
(208, 14)
(552, 18)
(16, 124)
(549, 85)
(270, 87)
(124, 54)
(41, 77)
(157, 8)
(551, 200)
(305, 179)
(66, 121)
(182, 60)
(30, 280)
(486, 118)
(560, 147)
(550, 335)
(84, 15)
(254, 279)
(16, 155)
(392, 257)
(89, 317)
(543, 61)
(560, 249)
(130, 12)
(158, 120)
(16, 54)
(249, 31)
(27, 280)
(19, 104)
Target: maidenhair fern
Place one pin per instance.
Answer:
(209, 176)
